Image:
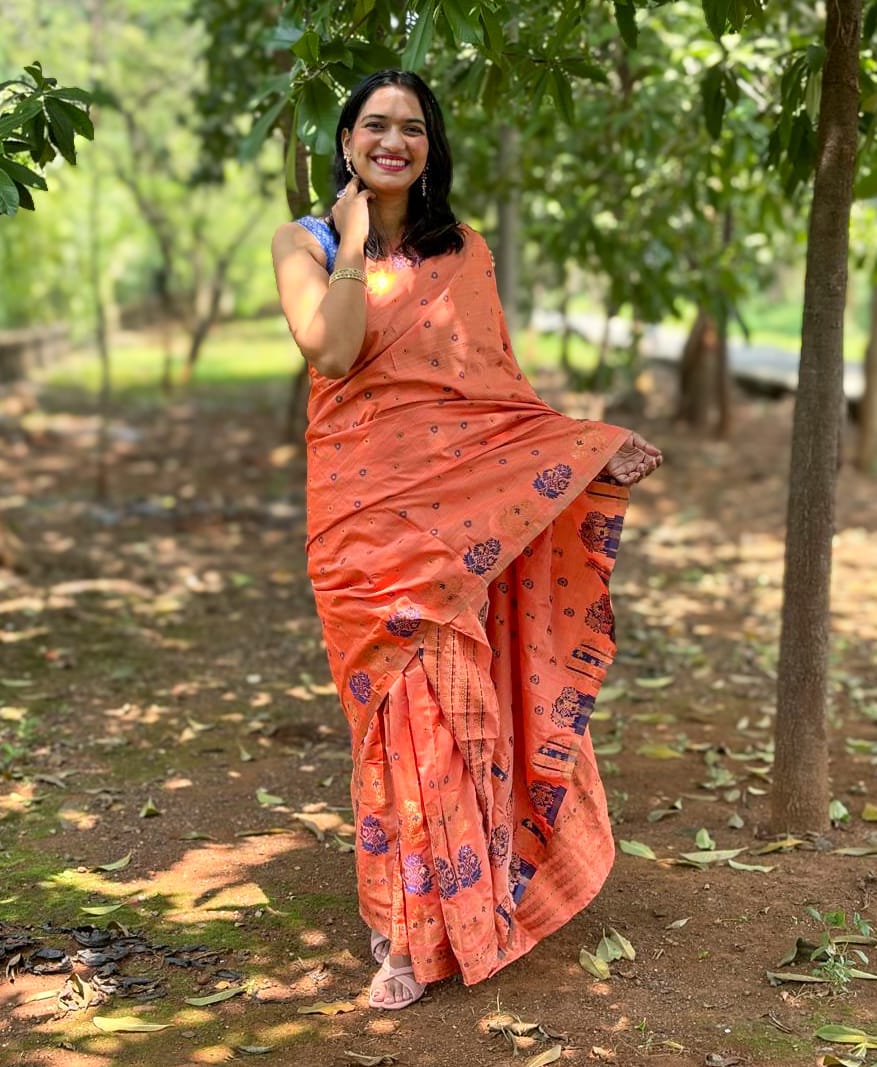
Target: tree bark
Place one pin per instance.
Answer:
(800, 795)
(723, 379)
(95, 273)
(10, 549)
(866, 449)
(696, 367)
(508, 238)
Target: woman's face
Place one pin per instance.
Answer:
(388, 145)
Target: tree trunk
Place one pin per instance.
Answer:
(801, 786)
(10, 549)
(299, 204)
(508, 239)
(297, 407)
(723, 379)
(95, 273)
(723, 369)
(566, 336)
(866, 450)
(696, 369)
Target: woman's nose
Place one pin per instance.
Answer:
(393, 138)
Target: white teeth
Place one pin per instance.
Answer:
(385, 161)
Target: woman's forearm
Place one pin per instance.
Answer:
(333, 338)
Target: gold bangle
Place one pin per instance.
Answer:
(354, 273)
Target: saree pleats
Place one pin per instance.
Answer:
(472, 795)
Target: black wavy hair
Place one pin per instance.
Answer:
(432, 228)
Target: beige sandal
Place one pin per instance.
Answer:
(405, 977)
(380, 946)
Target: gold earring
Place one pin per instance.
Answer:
(348, 162)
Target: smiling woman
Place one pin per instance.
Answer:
(461, 535)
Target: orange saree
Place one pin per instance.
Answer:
(460, 542)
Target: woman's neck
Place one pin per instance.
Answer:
(388, 219)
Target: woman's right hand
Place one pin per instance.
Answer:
(350, 212)
(635, 460)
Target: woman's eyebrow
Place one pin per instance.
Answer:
(420, 122)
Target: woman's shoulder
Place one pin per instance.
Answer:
(325, 235)
(474, 242)
(472, 238)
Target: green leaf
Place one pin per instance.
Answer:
(563, 97)
(816, 54)
(713, 95)
(711, 856)
(307, 47)
(419, 42)
(784, 845)
(116, 865)
(866, 189)
(251, 144)
(9, 195)
(703, 840)
(778, 979)
(716, 12)
(625, 20)
(126, 1025)
(608, 950)
(317, 115)
(149, 810)
(750, 867)
(35, 70)
(216, 998)
(593, 964)
(74, 95)
(464, 29)
(266, 799)
(77, 117)
(637, 848)
(660, 682)
(22, 175)
(658, 752)
(845, 1035)
(494, 37)
(585, 68)
(627, 949)
(102, 909)
(61, 130)
(19, 116)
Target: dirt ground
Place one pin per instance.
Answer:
(166, 712)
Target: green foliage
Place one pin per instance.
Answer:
(838, 960)
(39, 119)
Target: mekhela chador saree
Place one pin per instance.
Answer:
(460, 541)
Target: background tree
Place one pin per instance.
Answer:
(38, 120)
(800, 794)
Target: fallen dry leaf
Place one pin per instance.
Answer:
(327, 1007)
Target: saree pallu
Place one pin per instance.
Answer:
(460, 543)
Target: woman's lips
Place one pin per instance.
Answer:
(390, 163)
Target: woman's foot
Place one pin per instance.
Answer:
(635, 460)
(394, 986)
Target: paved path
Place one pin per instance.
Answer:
(762, 365)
